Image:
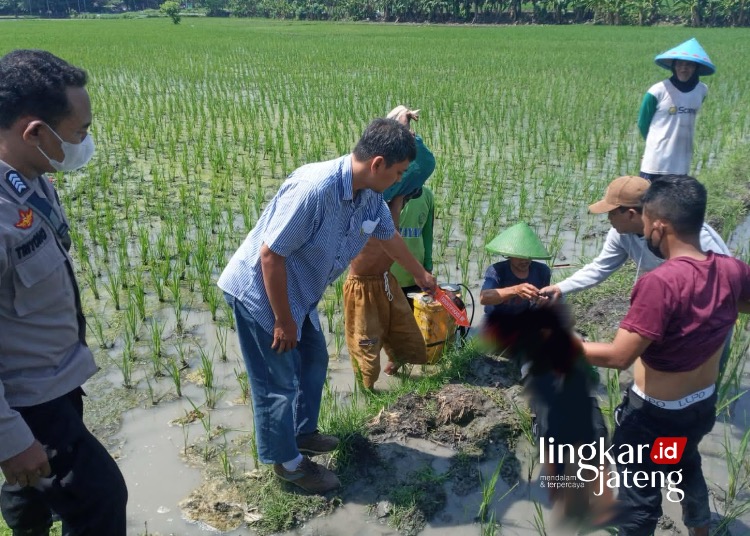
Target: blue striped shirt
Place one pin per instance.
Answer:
(319, 226)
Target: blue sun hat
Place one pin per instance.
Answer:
(690, 50)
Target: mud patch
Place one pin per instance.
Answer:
(466, 423)
(218, 506)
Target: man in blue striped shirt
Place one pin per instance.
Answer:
(314, 226)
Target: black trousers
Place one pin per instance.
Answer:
(86, 489)
(638, 423)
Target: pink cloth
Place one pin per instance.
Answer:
(687, 307)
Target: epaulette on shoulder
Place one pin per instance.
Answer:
(16, 185)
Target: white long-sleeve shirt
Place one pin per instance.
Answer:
(618, 248)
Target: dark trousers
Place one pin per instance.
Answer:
(86, 489)
(640, 422)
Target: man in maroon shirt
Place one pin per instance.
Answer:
(673, 334)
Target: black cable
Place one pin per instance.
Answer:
(464, 332)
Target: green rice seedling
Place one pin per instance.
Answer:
(207, 367)
(132, 320)
(205, 282)
(228, 314)
(156, 332)
(338, 338)
(205, 419)
(226, 465)
(730, 377)
(464, 268)
(490, 527)
(138, 294)
(173, 285)
(338, 289)
(90, 278)
(738, 470)
(126, 362)
(154, 400)
(244, 384)
(613, 397)
(329, 306)
(98, 329)
(214, 300)
(123, 259)
(221, 338)
(446, 232)
(158, 283)
(175, 374)
(525, 421)
(113, 286)
(144, 243)
(161, 251)
(488, 491)
(538, 521)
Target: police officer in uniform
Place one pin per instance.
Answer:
(50, 461)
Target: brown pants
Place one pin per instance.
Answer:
(377, 315)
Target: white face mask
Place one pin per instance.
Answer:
(75, 155)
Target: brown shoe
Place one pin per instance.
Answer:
(316, 443)
(309, 476)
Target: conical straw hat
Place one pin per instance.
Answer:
(518, 241)
(690, 50)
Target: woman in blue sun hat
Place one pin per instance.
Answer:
(669, 110)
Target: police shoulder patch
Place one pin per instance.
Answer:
(16, 182)
(26, 218)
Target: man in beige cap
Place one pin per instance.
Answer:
(622, 204)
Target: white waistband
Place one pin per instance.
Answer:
(682, 403)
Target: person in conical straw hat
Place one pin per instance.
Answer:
(669, 110)
(513, 285)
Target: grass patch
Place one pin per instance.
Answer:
(728, 186)
(599, 310)
(418, 497)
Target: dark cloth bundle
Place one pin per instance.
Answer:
(559, 382)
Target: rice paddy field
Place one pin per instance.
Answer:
(197, 125)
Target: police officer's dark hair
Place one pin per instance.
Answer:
(387, 138)
(678, 199)
(34, 82)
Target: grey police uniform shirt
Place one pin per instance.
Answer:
(41, 354)
(618, 248)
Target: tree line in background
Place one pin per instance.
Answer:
(614, 12)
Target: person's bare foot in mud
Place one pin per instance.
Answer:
(391, 368)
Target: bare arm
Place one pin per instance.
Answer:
(396, 204)
(620, 353)
(495, 296)
(273, 266)
(396, 249)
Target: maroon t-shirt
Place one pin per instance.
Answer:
(687, 307)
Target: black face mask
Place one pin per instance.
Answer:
(654, 248)
(687, 86)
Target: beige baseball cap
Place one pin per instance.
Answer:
(622, 192)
